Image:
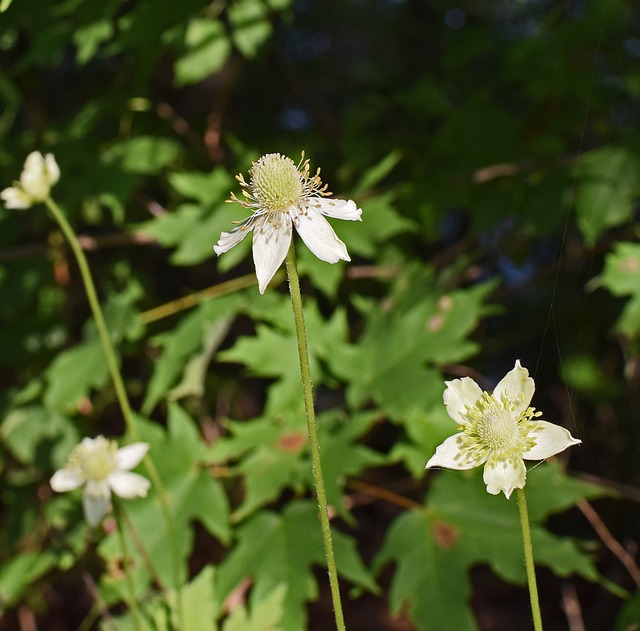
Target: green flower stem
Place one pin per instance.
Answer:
(528, 559)
(131, 600)
(305, 373)
(118, 384)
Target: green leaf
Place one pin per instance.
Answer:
(430, 581)
(265, 615)
(274, 456)
(380, 222)
(463, 526)
(374, 175)
(393, 362)
(74, 372)
(607, 191)
(621, 275)
(38, 436)
(272, 352)
(198, 601)
(207, 47)
(89, 37)
(19, 573)
(193, 229)
(193, 494)
(144, 155)
(629, 617)
(187, 341)
(425, 430)
(251, 26)
(282, 549)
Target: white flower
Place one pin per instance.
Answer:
(101, 467)
(498, 430)
(281, 195)
(38, 175)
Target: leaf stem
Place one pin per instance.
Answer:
(528, 559)
(305, 374)
(118, 384)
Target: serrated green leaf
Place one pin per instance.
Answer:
(282, 549)
(431, 581)
(75, 371)
(193, 229)
(380, 222)
(393, 362)
(264, 616)
(425, 430)
(462, 526)
(193, 494)
(272, 352)
(184, 342)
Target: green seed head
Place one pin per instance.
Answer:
(276, 183)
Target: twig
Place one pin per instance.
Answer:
(610, 541)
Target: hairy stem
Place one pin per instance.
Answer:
(528, 560)
(305, 373)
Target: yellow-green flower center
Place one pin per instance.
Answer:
(497, 430)
(276, 183)
(94, 461)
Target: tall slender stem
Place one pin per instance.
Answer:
(305, 373)
(528, 560)
(133, 604)
(118, 384)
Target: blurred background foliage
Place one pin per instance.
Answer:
(493, 147)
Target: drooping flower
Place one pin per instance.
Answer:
(99, 466)
(280, 196)
(38, 175)
(498, 430)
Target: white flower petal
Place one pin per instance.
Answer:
(131, 455)
(65, 480)
(504, 475)
(338, 208)
(53, 170)
(450, 455)
(95, 508)
(518, 385)
(97, 489)
(228, 240)
(459, 395)
(270, 245)
(550, 440)
(128, 485)
(34, 178)
(14, 197)
(320, 238)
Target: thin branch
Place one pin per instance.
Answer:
(610, 541)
